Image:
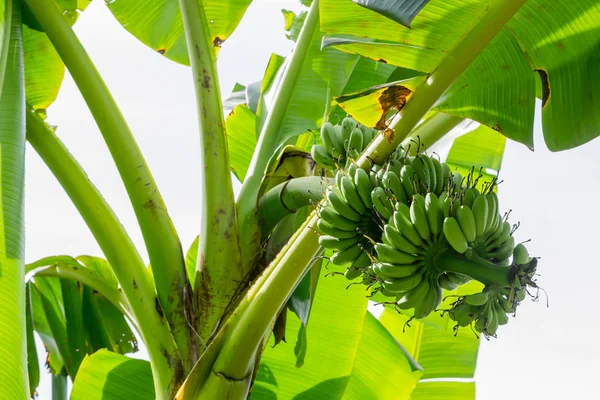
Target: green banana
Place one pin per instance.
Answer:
(393, 184)
(407, 177)
(335, 219)
(381, 202)
(348, 125)
(321, 155)
(447, 206)
(363, 187)
(430, 301)
(338, 179)
(403, 285)
(446, 173)
(492, 209)
(415, 296)
(431, 172)
(454, 235)
(356, 140)
(351, 195)
(326, 131)
(388, 270)
(346, 256)
(435, 215)
(363, 260)
(458, 279)
(331, 242)
(419, 217)
(501, 315)
(480, 213)
(422, 170)
(338, 143)
(389, 254)
(492, 323)
(339, 204)
(466, 221)
(463, 315)
(477, 299)
(446, 283)
(407, 229)
(469, 197)
(520, 254)
(457, 179)
(505, 251)
(439, 174)
(331, 230)
(373, 178)
(398, 241)
(367, 134)
(352, 273)
(501, 237)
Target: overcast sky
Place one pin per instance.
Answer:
(545, 353)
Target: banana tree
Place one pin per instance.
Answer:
(340, 153)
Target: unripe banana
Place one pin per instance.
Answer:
(501, 315)
(457, 179)
(351, 195)
(446, 283)
(435, 215)
(431, 172)
(321, 156)
(398, 241)
(477, 299)
(419, 218)
(368, 134)
(466, 221)
(389, 254)
(520, 254)
(338, 179)
(407, 229)
(338, 151)
(356, 140)
(415, 296)
(422, 170)
(431, 301)
(346, 256)
(407, 177)
(481, 323)
(348, 125)
(439, 174)
(351, 170)
(331, 230)
(363, 260)
(363, 187)
(492, 323)
(463, 315)
(330, 242)
(373, 178)
(403, 285)
(326, 131)
(381, 202)
(335, 219)
(501, 237)
(393, 184)
(447, 207)
(505, 251)
(387, 270)
(458, 279)
(480, 213)
(446, 173)
(352, 273)
(492, 209)
(403, 209)
(339, 204)
(506, 306)
(454, 235)
(469, 197)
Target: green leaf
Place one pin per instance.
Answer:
(158, 23)
(379, 353)
(293, 23)
(401, 11)
(561, 41)
(444, 391)
(480, 148)
(241, 137)
(190, 260)
(237, 96)
(13, 345)
(332, 348)
(73, 309)
(107, 375)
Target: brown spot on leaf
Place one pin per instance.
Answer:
(545, 86)
(392, 98)
(560, 45)
(217, 42)
(150, 205)
(161, 51)
(389, 134)
(158, 308)
(134, 283)
(497, 127)
(381, 60)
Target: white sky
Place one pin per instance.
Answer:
(545, 353)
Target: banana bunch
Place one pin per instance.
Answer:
(342, 143)
(348, 223)
(485, 311)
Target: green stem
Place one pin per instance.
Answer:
(219, 269)
(431, 131)
(268, 141)
(66, 271)
(477, 268)
(5, 39)
(59, 387)
(13, 342)
(287, 198)
(162, 242)
(116, 245)
(425, 96)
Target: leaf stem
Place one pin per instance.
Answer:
(59, 387)
(116, 245)
(267, 144)
(219, 271)
(162, 242)
(431, 131)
